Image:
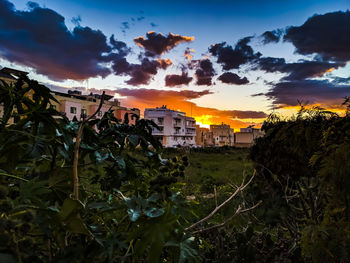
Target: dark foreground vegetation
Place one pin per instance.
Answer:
(101, 191)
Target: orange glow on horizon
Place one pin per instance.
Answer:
(204, 120)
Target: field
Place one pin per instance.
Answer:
(213, 166)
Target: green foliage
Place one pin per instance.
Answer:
(303, 167)
(130, 207)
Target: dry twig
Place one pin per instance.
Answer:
(217, 208)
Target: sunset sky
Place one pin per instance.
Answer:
(219, 61)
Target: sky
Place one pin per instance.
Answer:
(219, 61)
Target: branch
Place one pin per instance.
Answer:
(76, 150)
(238, 211)
(238, 190)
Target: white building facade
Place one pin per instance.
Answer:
(175, 128)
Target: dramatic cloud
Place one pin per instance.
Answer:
(139, 73)
(320, 92)
(233, 58)
(232, 78)
(120, 46)
(272, 36)
(176, 80)
(204, 72)
(157, 44)
(40, 39)
(340, 80)
(188, 53)
(159, 95)
(296, 71)
(326, 35)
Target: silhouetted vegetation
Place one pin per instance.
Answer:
(134, 200)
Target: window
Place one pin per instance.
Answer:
(99, 113)
(73, 110)
(83, 113)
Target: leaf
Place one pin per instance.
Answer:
(70, 207)
(134, 213)
(77, 226)
(187, 253)
(154, 212)
(134, 139)
(121, 162)
(33, 189)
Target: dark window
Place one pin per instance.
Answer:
(99, 113)
(73, 110)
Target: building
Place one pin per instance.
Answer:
(204, 137)
(246, 136)
(223, 135)
(75, 104)
(175, 128)
(121, 111)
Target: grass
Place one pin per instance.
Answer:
(214, 166)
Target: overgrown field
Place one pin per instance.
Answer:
(213, 167)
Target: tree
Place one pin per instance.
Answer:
(129, 205)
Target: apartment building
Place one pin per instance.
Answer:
(223, 134)
(175, 128)
(75, 104)
(204, 137)
(246, 136)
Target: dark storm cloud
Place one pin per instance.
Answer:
(139, 73)
(232, 78)
(157, 44)
(340, 80)
(176, 80)
(120, 46)
(312, 91)
(272, 36)
(205, 72)
(296, 71)
(233, 58)
(155, 94)
(39, 38)
(326, 35)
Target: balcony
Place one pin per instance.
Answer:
(191, 124)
